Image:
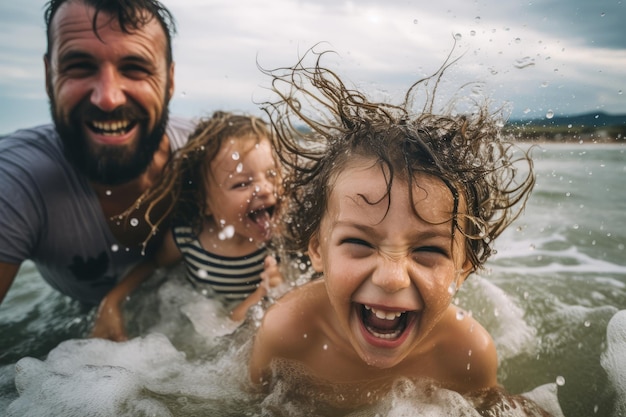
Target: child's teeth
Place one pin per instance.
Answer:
(385, 315)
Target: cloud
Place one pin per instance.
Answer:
(563, 55)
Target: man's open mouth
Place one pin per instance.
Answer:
(385, 324)
(111, 128)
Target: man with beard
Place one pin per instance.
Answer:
(71, 193)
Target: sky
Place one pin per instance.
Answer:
(535, 57)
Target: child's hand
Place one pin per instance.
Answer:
(271, 274)
(109, 323)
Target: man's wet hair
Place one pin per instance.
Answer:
(131, 15)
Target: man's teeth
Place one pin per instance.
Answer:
(385, 315)
(111, 127)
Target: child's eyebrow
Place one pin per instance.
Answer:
(429, 232)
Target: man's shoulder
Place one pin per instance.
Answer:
(34, 144)
(178, 130)
(45, 133)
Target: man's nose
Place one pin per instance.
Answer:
(107, 93)
(392, 274)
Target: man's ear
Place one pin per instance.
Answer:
(314, 253)
(46, 64)
(171, 83)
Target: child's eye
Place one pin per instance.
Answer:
(357, 248)
(356, 241)
(240, 185)
(436, 250)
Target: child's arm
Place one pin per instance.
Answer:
(270, 277)
(108, 323)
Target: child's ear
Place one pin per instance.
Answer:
(314, 253)
(466, 270)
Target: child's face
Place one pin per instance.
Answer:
(390, 275)
(241, 187)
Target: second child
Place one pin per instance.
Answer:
(224, 186)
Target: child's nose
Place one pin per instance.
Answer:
(263, 188)
(392, 275)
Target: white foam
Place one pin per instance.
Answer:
(501, 315)
(613, 359)
(546, 397)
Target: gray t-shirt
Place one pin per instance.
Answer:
(50, 214)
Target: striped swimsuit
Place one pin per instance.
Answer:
(229, 278)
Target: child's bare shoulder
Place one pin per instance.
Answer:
(468, 351)
(294, 317)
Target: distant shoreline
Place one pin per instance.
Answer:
(597, 127)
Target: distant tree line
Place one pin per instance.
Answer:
(597, 127)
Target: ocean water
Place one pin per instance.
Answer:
(553, 298)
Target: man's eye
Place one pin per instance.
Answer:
(135, 71)
(76, 69)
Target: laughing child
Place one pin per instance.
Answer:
(223, 186)
(395, 211)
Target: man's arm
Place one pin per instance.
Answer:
(7, 275)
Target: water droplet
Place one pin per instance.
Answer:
(460, 314)
(415, 21)
(325, 347)
(524, 62)
(134, 222)
(587, 323)
(560, 381)
(549, 114)
(239, 167)
(619, 92)
(517, 40)
(602, 14)
(108, 192)
(226, 233)
(452, 288)
(458, 36)
(575, 227)
(545, 84)
(526, 110)
(305, 335)
(472, 33)
(235, 156)
(202, 274)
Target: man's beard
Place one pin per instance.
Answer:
(109, 165)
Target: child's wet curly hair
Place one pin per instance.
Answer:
(182, 185)
(465, 151)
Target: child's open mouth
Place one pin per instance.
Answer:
(385, 325)
(262, 218)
